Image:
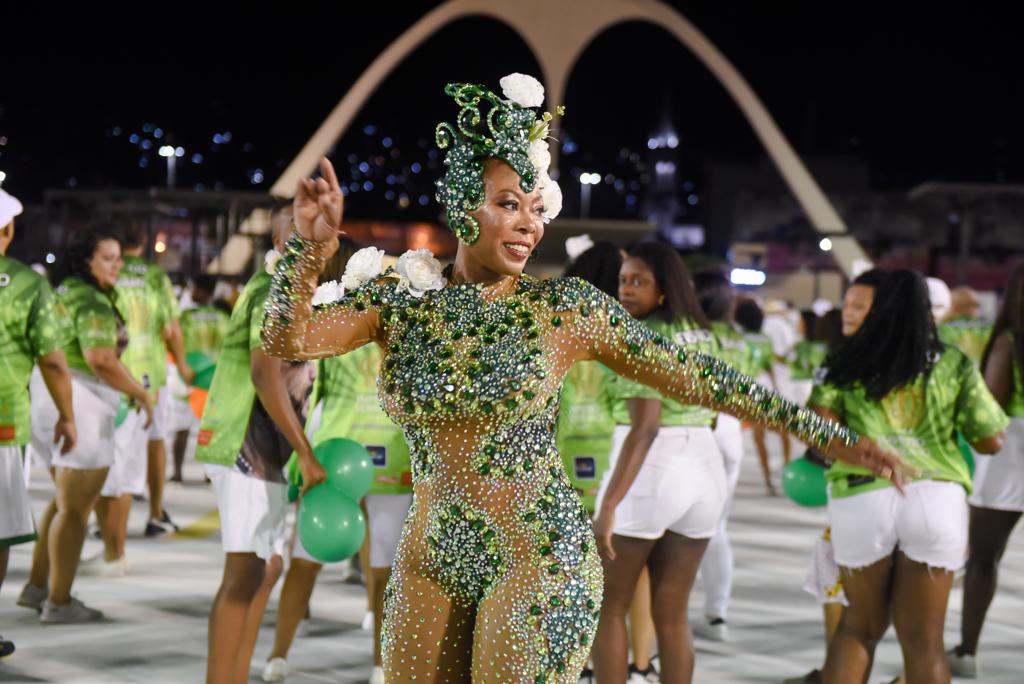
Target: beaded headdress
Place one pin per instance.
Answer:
(486, 127)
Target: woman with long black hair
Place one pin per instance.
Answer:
(666, 490)
(893, 381)
(998, 498)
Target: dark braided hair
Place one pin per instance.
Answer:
(897, 341)
(674, 281)
(1010, 318)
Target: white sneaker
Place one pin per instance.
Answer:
(965, 665)
(713, 629)
(70, 613)
(377, 676)
(32, 597)
(368, 621)
(275, 670)
(97, 567)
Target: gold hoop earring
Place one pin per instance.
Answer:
(661, 300)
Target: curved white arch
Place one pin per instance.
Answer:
(557, 33)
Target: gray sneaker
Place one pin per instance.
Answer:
(32, 597)
(965, 665)
(71, 613)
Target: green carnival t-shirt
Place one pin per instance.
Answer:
(94, 321)
(917, 422)
(585, 427)
(147, 302)
(969, 335)
(764, 354)
(31, 325)
(204, 329)
(347, 386)
(685, 333)
(736, 351)
(806, 357)
(229, 404)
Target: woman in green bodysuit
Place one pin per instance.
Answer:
(497, 577)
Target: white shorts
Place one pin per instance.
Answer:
(127, 474)
(161, 415)
(800, 391)
(929, 525)
(95, 404)
(999, 479)
(16, 526)
(729, 437)
(180, 417)
(681, 486)
(823, 580)
(252, 512)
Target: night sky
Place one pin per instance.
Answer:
(931, 94)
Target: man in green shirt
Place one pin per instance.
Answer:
(31, 332)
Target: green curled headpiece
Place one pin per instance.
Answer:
(487, 127)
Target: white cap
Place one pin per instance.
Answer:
(9, 208)
(940, 298)
(576, 245)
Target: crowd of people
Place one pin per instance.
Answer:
(554, 460)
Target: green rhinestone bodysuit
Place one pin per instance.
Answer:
(497, 577)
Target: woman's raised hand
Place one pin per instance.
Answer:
(318, 205)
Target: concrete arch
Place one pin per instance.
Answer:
(557, 33)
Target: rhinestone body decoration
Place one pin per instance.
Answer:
(497, 577)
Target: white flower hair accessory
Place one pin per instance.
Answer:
(328, 293)
(364, 265)
(524, 90)
(270, 260)
(552, 196)
(576, 245)
(419, 272)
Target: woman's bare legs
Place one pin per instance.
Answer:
(294, 603)
(673, 564)
(243, 576)
(77, 491)
(641, 623)
(611, 646)
(851, 651)
(919, 598)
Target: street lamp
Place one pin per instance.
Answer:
(168, 151)
(586, 180)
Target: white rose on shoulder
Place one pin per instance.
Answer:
(328, 293)
(525, 91)
(418, 271)
(540, 156)
(270, 260)
(552, 196)
(364, 265)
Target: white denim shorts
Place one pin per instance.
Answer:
(681, 486)
(929, 525)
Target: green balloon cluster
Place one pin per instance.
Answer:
(204, 368)
(331, 525)
(804, 483)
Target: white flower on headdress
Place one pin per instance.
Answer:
(525, 91)
(270, 260)
(328, 293)
(418, 271)
(576, 245)
(540, 156)
(362, 266)
(552, 196)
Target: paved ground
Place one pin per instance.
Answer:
(156, 627)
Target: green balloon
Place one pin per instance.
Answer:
(966, 452)
(331, 526)
(804, 483)
(122, 411)
(204, 378)
(198, 360)
(348, 465)
(293, 493)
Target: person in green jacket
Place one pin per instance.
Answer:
(962, 327)
(895, 382)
